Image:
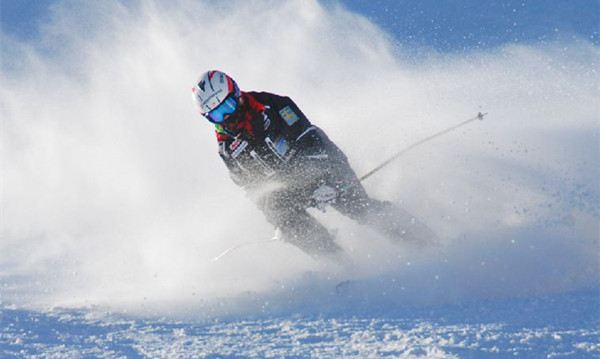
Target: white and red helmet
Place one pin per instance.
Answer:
(213, 88)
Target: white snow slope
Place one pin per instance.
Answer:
(114, 200)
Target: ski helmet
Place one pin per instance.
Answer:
(216, 95)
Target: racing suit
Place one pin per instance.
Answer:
(280, 158)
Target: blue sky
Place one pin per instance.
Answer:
(452, 25)
(20, 18)
(462, 24)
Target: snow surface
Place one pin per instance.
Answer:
(115, 203)
(545, 327)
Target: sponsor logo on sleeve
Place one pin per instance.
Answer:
(239, 150)
(288, 115)
(237, 147)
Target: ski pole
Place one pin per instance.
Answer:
(418, 143)
(243, 244)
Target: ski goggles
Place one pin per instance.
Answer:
(227, 107)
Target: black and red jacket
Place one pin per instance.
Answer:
(276, 141)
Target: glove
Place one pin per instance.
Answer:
(323, 196)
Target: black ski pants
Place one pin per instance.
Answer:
(286, 209)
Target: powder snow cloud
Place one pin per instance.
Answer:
(112, 191)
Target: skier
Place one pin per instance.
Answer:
(287, 165)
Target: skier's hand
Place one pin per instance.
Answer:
(323, 196)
